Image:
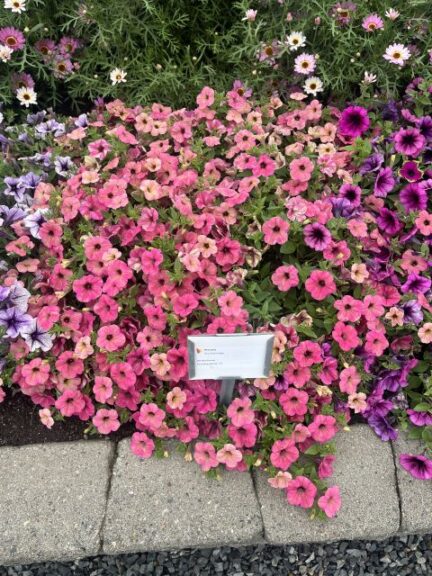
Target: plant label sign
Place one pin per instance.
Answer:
(230, 356)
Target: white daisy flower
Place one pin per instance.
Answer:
(26, 96)
(5, 53)
(369, 78)
(313, 85)
(397, 54)
(117, 76)
(296, 40)
(392, 14)
(17, 6)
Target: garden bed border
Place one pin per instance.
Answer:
(65, 501)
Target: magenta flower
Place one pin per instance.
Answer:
(354, 121)
(301, 492)
(418, 466)
(409, 141)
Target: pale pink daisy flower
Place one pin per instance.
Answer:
(372, 22)
(304, 64)
(397, 54)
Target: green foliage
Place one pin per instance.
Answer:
(171, 48)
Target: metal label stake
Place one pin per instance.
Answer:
(226, 391)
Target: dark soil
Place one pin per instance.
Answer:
(20, 424)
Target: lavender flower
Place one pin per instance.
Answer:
(412, 312)
(384, 182)
(14, 321)
(36, 338)
(372, 163)
(34, 221)
(63, 165)
(416, 284)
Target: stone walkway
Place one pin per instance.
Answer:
(71, 500)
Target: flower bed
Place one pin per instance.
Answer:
(138, 227)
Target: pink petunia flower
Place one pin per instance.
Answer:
(349, 379)
(110, 338)
(230, 304)
(320, 284)
(281, 480)
(69, 365)
(240, 412)
(325, 467)
(301, 169)
(323, 428)
(243, 436)
(46, 418)
(376, 343)
(330, 502)
(87, 288)
(346, 336)
(141, 445)
(301, 492)
(102, 388)
(123, 375)
(294, 402)
(284, 453)
(275, 231)
(184, 305)
(205, 456)
(106, 421)
(308, 353)
(70, 403)
(285, 277)
(151, 416)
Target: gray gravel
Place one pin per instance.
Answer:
(401, 556)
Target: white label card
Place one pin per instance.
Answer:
(234, 356)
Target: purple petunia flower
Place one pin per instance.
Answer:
(63, 164)
(412, 312)
(19, 297)
(4, 293)
(411, 172)
(372, 163)
(14, 321)
(81, 121)
(30, 180)
(425, 126)
(11, 215)
(384, 182)
(317, 236)
(352, 193)
(50, 127)
(354, 121)
(390, 111)
(417, 465)
(409, 141)
(416, 284)
(413, 197)
(420, 418)
(36, 118)
(342, 207)
(389, 222)
(382, 427)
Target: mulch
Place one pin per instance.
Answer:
(20, 425)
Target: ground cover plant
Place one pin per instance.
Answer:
(66, 54)
(130, 228)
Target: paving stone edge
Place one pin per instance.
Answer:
(260, 529)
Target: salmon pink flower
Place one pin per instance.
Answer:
(36, 372)
(349, 379)
(103, 388)
(301, 492)
(70, 403)
(205, 456)
(106, 421)
(46, 418)
(301, 169)
(281, 480)
(151, 416)
(297, 375)
(330, 502)
(275, 231)
(176, 398)
(141, 445)
(264, 166)
(240, 412)
(230, 456)
(284, 453)
(159, 364)
(230, 304)
(106, 308)
(357, 402)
